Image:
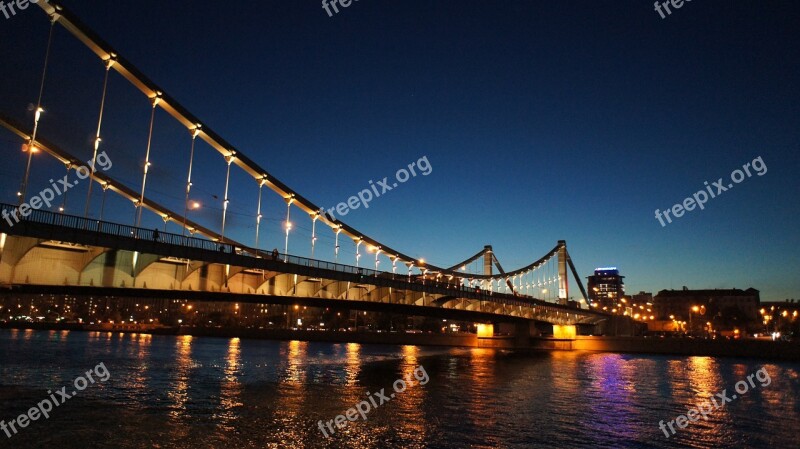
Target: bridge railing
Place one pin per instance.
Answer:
(108, 228)
(121, 230)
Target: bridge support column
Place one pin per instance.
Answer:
(485, 330)
(522, 334)
(563, 282)
(518, 333)
(566, 331)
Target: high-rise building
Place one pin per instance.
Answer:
(606, 287)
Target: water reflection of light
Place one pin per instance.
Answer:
(295, 370)
(410, 355)
(291, 395)
(478, 376)
(778, 402)
(143, 342)
(351, 393)
(140, 349)
(231, 388)
(614, 402)
(693, 381)
(353, 364)
(606, 370)
(704, 378)
(179, 391)
(412, 425)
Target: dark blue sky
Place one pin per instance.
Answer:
(542, 120)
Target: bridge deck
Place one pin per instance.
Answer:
(78, 230)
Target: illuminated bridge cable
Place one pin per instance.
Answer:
(228, 160)
(502, 272)
(261, 183)
(117, 187)
(314, 218)
(103, 201)
(63, 206)
(288, 227)
(37, 115)
(177, 111)
(72, 24)
(336, 248)
(358, 242)
(577, 279)
(469, 261)
(195, 132)
(108, 63)
(154, 101)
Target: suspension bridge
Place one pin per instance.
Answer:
(59, 251)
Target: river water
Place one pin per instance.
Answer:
(190, 392)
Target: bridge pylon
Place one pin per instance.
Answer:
(488, 260)
(563, 282)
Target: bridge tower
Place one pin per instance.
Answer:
(563, 283)
(488, 259)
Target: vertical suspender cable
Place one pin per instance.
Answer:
(109, 63)
(155, 100)
(103, 202)
(336, 248)
(195, 132)
(228, 159)
(63, 206)
(37, 113)
(258, 208)
(288, 227)
(314, 219)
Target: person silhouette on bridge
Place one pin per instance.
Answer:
(275, 254)
(155, 235)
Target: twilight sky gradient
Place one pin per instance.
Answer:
(542, 120)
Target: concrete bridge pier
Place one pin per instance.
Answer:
(519, 333)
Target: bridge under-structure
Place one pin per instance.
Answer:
(47, 252)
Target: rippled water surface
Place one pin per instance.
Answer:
(184, 392)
